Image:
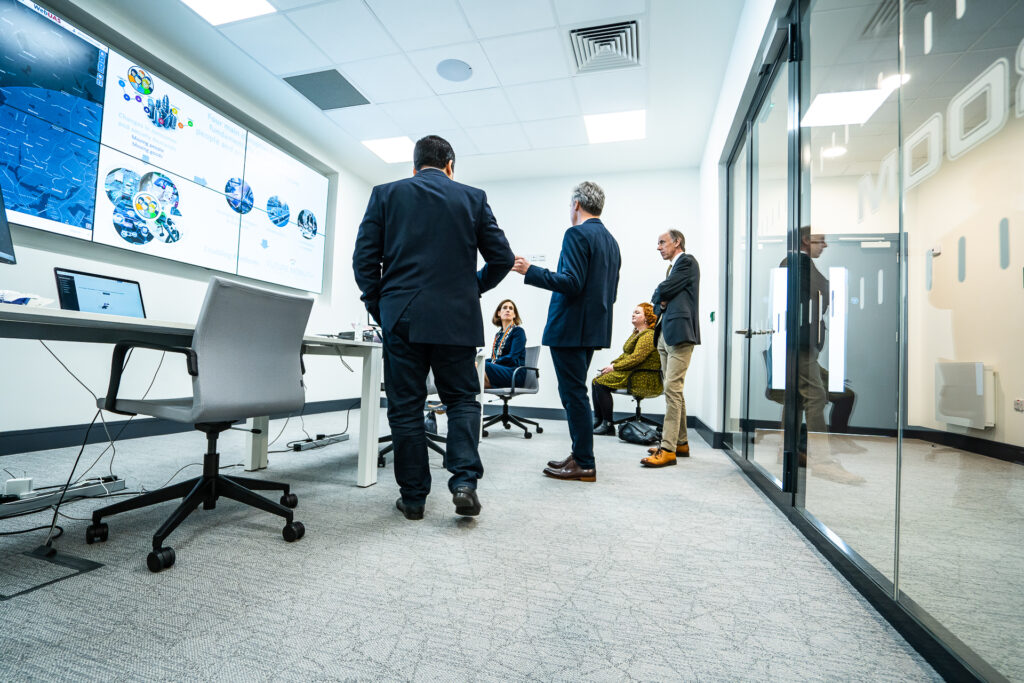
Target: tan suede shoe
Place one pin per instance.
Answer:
(682, 450)
(662, 458)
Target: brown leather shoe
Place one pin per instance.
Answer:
(660, 459)
(682, 450)
(559, 464)
(571, 472)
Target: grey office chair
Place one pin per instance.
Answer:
(531, 385)
(433, 438)
(244, 361)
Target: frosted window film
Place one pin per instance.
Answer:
(1004, 244)
(961, 267)
(838, 284)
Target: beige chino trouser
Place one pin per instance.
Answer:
(675, 361)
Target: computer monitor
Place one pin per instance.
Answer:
(6, 245)
(92, 293)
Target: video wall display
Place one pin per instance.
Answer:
(96, 146)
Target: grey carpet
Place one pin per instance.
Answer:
(685, 573)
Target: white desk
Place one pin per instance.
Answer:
(22, 322)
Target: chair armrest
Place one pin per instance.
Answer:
(117, 366)
(516, 372)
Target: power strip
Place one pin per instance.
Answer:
(319, 443)
(40, 500)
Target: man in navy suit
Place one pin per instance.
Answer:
(415, 263)
(579, 319)
(676, 300)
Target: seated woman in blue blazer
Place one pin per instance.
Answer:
(509, 349)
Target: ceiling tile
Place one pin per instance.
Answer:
(479, 107)
(274, 42)
(489, 18)
(386, 79)
(345, 30)
(581, 11)
(283, 5)
(460, 142)
(612, 91)
(426, 62)
(507, 137)
(547, 100)
(367, 122)
(528, 57)
(416, 24)
(556, 132)
(420, 117)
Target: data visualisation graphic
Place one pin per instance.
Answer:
(268, 252)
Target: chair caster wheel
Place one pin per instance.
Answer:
(485, 433)
(289, 500)
(527, 435)
(540, 430)
(507, 426)
(96, 533)
(160, 559)
(293, 531)
(381, 461)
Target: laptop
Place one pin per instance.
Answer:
(91, 293)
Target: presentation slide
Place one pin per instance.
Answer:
(52, 90)
(285, 188)
(151, 211)
(271, 250)
(146, 117)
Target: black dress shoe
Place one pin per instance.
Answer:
(604, 429)
(412, 512)
(466, 502)
(559, 464)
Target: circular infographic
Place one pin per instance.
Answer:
(146, 206)
(140, 79)
(277, 211)
(239, 195)
(307, 223)
(161, 187)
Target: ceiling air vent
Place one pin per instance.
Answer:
(601, 48)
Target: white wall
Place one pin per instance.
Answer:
(638, 207)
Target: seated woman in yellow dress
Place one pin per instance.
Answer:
(638, 353)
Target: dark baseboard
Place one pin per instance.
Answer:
(921, 631)
(28, 440)
(713, 438)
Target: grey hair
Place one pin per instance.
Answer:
(590, 196)
(678, 237)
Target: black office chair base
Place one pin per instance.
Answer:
(432, 443)
(205, 490)
(507, 419)
(638, 417)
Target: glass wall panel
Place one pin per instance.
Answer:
(739, 225)
(962, 513)
(850, 280)
(769, 210)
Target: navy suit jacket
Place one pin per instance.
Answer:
(416, 255)
(584, 287)
(680, 319)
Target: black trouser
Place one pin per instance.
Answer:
(406, 365)
(603, 405)
(571, 365)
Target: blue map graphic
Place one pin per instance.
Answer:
(46, 171)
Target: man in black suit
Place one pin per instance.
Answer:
(579, 319)
(678, 331)
(415, 263)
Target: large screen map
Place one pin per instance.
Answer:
(96, 146)
(51, 103)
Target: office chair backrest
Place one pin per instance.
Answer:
(532, 361)
(247, 341)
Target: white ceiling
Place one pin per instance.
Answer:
(520, 114)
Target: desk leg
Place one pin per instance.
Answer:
(369, 418)
(480, 360)
(257, 443)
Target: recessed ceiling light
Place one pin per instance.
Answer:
(219, 12)
(833, 152)
(623, 125)
(391, 150)
(843, 108)
(454, 70)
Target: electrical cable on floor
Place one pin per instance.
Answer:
(56, 510)
(60, 531)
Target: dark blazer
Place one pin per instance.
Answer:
(513, 353)
(584, 287)
(680, 320)
(416, 254)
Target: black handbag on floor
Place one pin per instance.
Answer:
(639, 433)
